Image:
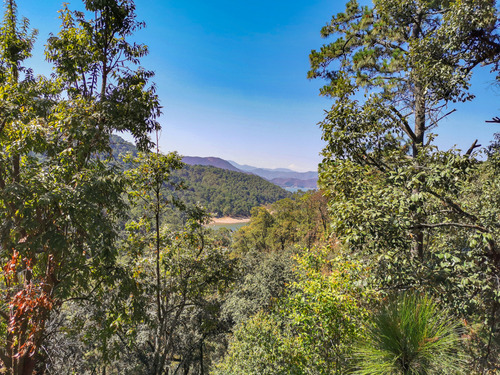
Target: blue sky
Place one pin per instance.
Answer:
(231, 76)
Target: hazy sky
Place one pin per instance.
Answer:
(231, 76)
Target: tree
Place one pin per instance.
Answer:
(60, 201)
(255, 235)
(183, 305)
(257, 348)
(310, 328)
(395, 198)
(302, 221)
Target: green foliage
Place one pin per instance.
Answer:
(325, 312)
(402, 47)
(301, 221)
(183, 323)
(310, 328)
(261, 280)
(257, 348)
(226, 193)
(59, 204)
(411, 335)
(94, 60)
(420, 217)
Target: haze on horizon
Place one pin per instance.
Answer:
(231, 77)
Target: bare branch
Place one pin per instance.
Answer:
(495, 120)
(460, 225)
(405, 126)
(471, 148)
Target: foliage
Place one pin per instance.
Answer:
(257, 348)
(58, 202)
(261, 279)
(421, 217)
(411, 335)
(310, 329)
(183, 319)
(94, 60)
(165, 314)
(178, 279)
(299, 221)
(326, 311)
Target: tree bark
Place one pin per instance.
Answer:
(419, 111)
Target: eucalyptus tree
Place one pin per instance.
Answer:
(59, 200)
(394, 71)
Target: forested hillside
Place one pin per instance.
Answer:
(221, 192)
(282, 177)
(226, 193)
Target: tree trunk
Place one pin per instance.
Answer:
(418, 142)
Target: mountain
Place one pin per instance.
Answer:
(249, 168)
(210, 161)
(270, 174)
(221, 188)
(224, 192)
(283, 177)
(296, 183)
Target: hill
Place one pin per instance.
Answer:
(210, 161)
(226, 193)
(283, 177)
(222, 191)
(121, 146)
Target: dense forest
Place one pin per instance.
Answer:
(391, 268)
(226, 193)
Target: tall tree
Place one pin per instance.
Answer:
(394, 195)
(58, 200)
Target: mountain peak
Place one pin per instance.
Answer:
(210, 161)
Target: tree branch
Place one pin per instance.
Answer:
(495, 120)
(460, 225)
(405, 126)
(455, 206)
(435, 122)
(3, 124)
(471, 148)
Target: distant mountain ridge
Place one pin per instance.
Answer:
(276, 172)
(283, 177)
(212, 182)
(295, 183)
(211, 162)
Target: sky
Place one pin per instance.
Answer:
(231, 77)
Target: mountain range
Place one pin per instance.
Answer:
(213, 183)
(283, 177)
